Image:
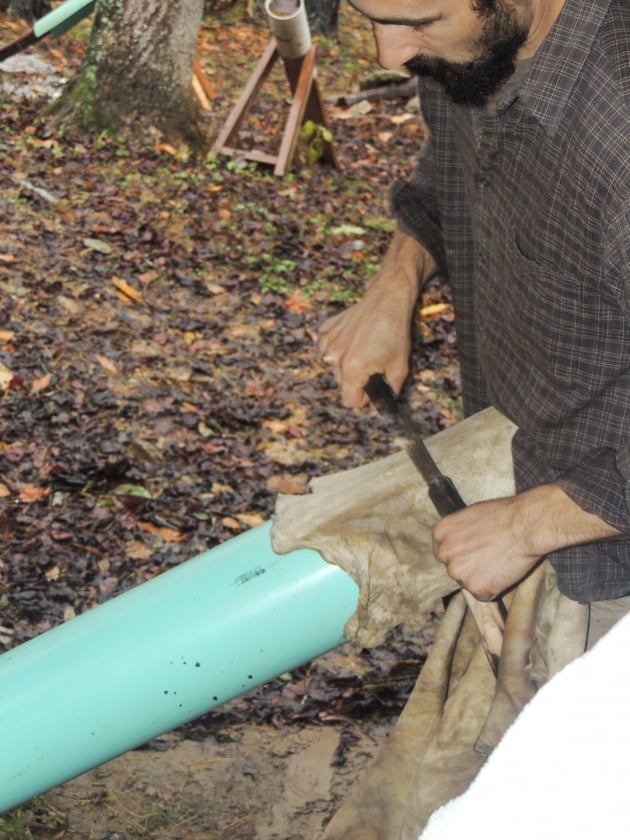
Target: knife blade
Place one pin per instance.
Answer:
(489, 616)
(442, 491)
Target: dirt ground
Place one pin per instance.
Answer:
(251, 781)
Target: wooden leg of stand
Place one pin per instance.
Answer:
(250, 91)
(301, 94)
(314, 109)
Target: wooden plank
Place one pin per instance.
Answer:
(250, 92)
(200, 93)
(296, 113)
(204, 81)
(254, 155)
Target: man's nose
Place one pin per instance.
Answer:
(395, 45)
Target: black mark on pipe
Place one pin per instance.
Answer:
(247, 576)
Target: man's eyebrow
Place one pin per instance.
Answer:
(423, 21)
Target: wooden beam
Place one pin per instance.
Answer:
(228, 133)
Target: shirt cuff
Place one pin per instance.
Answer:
(598, 486)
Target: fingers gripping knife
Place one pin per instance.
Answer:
(489, 616)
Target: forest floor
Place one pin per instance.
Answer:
(160, 384)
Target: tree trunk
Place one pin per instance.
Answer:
(137, 73)
(323, 16)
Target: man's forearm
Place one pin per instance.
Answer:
(553, 520)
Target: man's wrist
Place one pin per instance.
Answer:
(405, 268)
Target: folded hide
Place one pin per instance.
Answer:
(562, 769)
(375, 522)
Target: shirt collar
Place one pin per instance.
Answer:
(559, 61)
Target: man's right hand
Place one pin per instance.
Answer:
(374, 335)
(371, 336)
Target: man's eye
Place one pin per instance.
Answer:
(420, 27)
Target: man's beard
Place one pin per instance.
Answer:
(473, 82)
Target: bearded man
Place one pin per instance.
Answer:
(521, 199)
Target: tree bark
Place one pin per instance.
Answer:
(137, 71)
(323, 16)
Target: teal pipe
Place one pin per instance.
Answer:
(63, 18)
(162, 654)
(56, 22)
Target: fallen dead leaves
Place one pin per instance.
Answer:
(6, 377)
(33, 494)
(139, 349)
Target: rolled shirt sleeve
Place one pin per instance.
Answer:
(414, 203)
(600, 482)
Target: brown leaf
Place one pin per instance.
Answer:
(167, 534)
(127, 290)
(33, 494)
(297, 302)
(106, 363)
(170, 534)
(231, 523)
(41, 383)
(166, 147)
(137, 550)
(428, 312)
(250, 520)
(289, 485)
(6, 376)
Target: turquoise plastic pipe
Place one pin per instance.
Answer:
(161, 654)
(63, 17)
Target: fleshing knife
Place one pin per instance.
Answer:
(489, 615)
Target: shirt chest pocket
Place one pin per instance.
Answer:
(574, 334)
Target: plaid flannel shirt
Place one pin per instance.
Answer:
(527, 212)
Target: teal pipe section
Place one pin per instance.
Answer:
(63, 18)
(162, 654)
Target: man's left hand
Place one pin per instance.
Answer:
(490, 546)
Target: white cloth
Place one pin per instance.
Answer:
(562, 770)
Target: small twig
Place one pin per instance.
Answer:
(399, 90)
(42, 193)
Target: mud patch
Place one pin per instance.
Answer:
(251, 781)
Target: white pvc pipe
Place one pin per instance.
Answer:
(289, 25)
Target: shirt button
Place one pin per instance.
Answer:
(484, 183)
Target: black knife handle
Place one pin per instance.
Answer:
(381, 393)
(445, 496)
